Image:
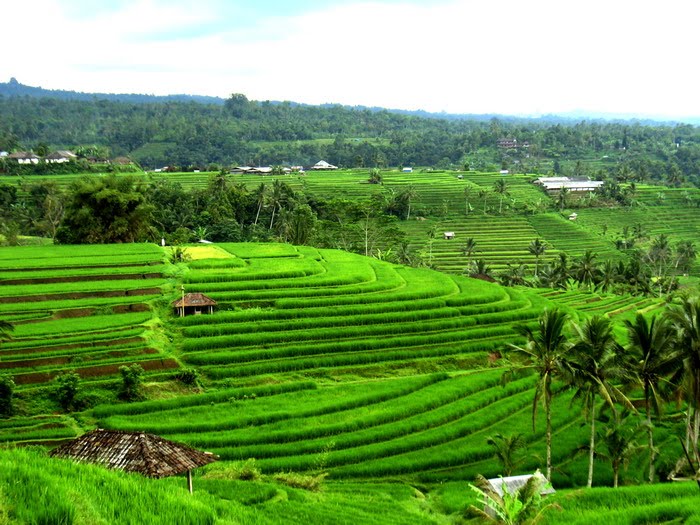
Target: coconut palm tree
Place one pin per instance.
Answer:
(585, 269)
(592, 367)
(545, 355)
(277, 198)
(506, 449)
(467, 194)
(408, 195)
(686, 319)
(537, 248)
(501, 188)
(619, 443)
(469, 248)
(654, 359)
(562, 198)
(482, 195)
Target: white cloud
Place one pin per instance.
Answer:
(460, 56)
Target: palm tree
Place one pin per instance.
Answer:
(5, 329)
(408, 195)
(620, 446)
(432, 233)
(505, 450)
(467, 194)
(481, 268)
(469, 248)
(537, 248)
(586, 270)
(276, 198)
(686, 319)
(654, 359)
(501, 188)
(593, 365)
(482, 195)
(608, 275)
(544, 353)
(561, 198)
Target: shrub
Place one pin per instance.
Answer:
(7, 392)
(189, 377)
(246, 471)
(132, 382)
(66, 387)
(301, 481)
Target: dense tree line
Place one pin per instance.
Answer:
(263, 133)
(127, 209)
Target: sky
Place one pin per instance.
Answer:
(511, 57)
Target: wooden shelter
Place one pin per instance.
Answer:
(147, 454)
(194, 304)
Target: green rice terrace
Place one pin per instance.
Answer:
(375, 384)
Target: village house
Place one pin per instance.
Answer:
(60, 157)
(323, 165)
(24, 157)
(552, 184)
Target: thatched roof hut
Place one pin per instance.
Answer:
(147, 454)
(194, 303)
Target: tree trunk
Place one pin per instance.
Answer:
(650, 433)
(257, 214)
(616, 475)
(408, 212)
(591, 447)
(548, 430)
(273, 216)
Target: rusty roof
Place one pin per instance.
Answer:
(195, 299)
(140, 452)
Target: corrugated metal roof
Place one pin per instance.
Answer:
(515, 483)
(140, 452)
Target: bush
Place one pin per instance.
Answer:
(189, 377)
(132, 382)
(7, 392)
(301, 481)
(66, 387)
(246, 471)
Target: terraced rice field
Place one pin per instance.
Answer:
(500, 241)
(82, 309)
(370, 370)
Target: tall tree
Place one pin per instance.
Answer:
(592, 368)
(500, 187)
(544, 354)
(654, 359)
(686, 319)
(537, 248)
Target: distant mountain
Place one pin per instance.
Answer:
(14, 89)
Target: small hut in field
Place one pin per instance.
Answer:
(148, 454)
(194, 304)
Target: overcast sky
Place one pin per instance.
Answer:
(459, 56)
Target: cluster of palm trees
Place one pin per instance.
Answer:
(660, 362)
(645, 272)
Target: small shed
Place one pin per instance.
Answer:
(573, 216)
(449, 235)
(148, 454)
(194, 304)
(407, 169)
(515, 483)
